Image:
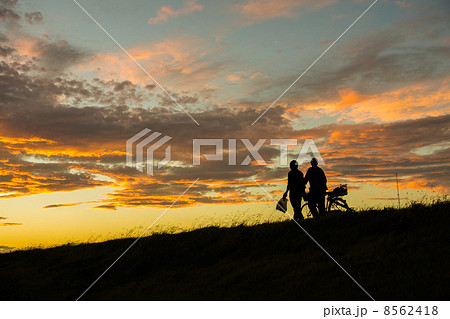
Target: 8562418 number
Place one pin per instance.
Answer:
(410, 310)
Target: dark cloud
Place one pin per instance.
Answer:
(5, 51)
(8, 3)
(8, 15)
(120, 86)
(60, 55)
(10, 224)
(180, 98)
(61, 205)
(17, 87)
(107, 206)
(5, 46)
(7, 224)
(53, 56)
(34, 17)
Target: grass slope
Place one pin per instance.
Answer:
(393, 254)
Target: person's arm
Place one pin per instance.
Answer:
(303, 183)
(324, 180)
(306, 179)
(287, 189)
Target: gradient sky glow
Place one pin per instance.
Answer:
(377, 103)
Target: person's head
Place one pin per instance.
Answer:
(293, 164)
(314, 162)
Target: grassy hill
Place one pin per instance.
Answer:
(394, 254)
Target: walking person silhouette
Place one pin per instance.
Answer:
(296, 189)
(317, 188)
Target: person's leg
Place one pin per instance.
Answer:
(312, 204)
(296, 202)
(321, 203)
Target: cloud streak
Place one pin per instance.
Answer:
(165, 12)
(7, 224)
(259, 10)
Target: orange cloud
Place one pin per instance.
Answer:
(259, 10)
(62, 205)
(36, 146)
(165, 12)
(169, 61)
(14, 140)
(107, 206)
(429, 98)
(349, 98)
(423, 99)
(234, 77)
(26, 46)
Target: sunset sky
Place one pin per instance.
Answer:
(376, 103)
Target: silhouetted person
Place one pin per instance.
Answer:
(317, 188)
(296, 187)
